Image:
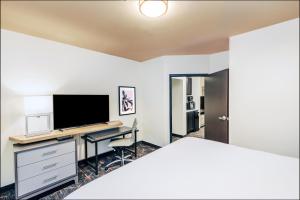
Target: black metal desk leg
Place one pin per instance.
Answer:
(96, 158)
(85, 149)
(135, 148)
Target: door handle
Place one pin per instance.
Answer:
(223, 118)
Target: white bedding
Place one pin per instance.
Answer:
(198, 168)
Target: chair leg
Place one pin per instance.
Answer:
(128, 156)
(113, 162)
(128, 160)
(122, 157)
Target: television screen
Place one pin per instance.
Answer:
(78, 110)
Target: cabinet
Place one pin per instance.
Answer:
(196, 121)
(188, 86)
(202, 120)
(42, 166)
(192, 121)
(189, 122)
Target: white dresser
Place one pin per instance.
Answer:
(42, 166)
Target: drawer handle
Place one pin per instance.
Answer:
(49, 153)
(50, 179)
(49, 166)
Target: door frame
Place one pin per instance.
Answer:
(170, 96)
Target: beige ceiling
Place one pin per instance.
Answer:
(117, 27)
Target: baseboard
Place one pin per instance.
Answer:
(150, 144)
(7, 187)
(176, 135)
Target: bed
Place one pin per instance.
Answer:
(193, 168)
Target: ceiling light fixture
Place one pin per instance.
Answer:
(153, 8)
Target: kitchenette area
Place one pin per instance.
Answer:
(188, 106)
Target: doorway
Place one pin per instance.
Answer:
(199, 106)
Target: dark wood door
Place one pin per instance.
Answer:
(216, 106)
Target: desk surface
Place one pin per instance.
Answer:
(22, 139)
(107, 134)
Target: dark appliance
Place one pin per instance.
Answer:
(190, 105)
(196, 121)
(192, 121)
(78, 110)
(202, 102)
(189, 122)
(189, 98)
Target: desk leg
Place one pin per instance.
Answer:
(96, 158)
(135, 147)
(85, 149)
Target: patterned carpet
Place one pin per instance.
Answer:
(85, 175)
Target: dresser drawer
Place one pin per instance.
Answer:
(41, 167)
(36, 155)
(43, 180)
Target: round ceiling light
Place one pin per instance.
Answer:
(153, 8)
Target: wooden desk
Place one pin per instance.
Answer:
(22, 139)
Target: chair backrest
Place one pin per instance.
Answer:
(134, 127)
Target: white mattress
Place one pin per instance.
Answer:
(198, 168)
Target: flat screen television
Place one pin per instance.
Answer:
(78, 110)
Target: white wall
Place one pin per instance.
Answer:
(192, 64)
(264, 89)
(156, 92)
(218, 61)
(34, 66)
(153, 93)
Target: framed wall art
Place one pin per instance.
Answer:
(127, 100)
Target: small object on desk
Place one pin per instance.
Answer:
(37, 111)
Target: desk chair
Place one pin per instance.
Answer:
(120, 145)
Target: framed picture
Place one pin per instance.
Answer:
(127, 100)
